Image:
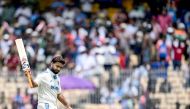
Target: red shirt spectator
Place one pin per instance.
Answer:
(12, 62)
(178, 52)
(122, 60)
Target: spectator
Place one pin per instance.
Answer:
(178, 105)
(57, 4)
(180, 32)
(1, 59)
(156, 29)
(162, 49)
(18, 100)
(22, 14)
(150, 104)
(152, 85)
(2, 101)
(186, 73)
(178, 53)
(26, 97)
(142, 104)
(100, 42)
(187, 83)
(165, 87)
(12, 61)
(68, 16)
(146, 52)
(123, 60)
(137, 13)
(86, 6)
(164, 20)
(5, 44)
(83, 59)
(33, 101)
(172, 10)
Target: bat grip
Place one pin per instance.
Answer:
(29, 77)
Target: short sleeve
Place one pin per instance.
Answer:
(38, 79)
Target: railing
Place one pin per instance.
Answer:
(107, 84)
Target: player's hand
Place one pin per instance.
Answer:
(27, 72)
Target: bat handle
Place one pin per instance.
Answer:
(29, 77)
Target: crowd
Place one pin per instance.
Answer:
(99, 41)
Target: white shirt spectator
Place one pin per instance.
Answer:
(68, 13)
(131, 30)
(57, 34)
(85, 62)
(51, 19)
(82, 33)
(5, 46)
(136, 13)
(40, 55)
(102, 32)
(98, 52)
(139, 72)
(93, 33)
(109, 52)
(26, 11)
(86, 5)
(22, 21)
(23, 14)
(68, 16)
(129, 88)
(30, 50)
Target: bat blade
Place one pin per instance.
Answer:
(24, 60)
(22, 54)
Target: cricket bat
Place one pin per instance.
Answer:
(24, 60)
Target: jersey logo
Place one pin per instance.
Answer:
(46, 106)
(54, 88)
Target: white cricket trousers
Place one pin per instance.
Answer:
(46, 106)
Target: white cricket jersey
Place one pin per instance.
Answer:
(48, 87)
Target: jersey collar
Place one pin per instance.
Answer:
(52, 74)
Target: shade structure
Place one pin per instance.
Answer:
(73, 82)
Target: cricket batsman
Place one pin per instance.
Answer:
(49, 88)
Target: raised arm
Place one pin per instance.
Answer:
(32, 83)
